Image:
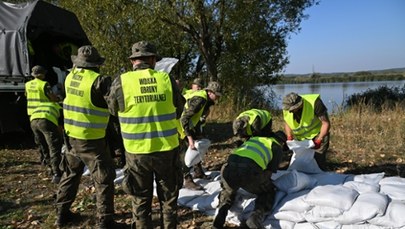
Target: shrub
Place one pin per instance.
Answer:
(382, 97)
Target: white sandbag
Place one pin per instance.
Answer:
(328, 225)
(212, 187)
(394, 187)
(361, 226)
(329, 194)
(294, 182)
(323, 225)
(361, 187)
(292, 216)
(392, 180)
(394, 191)
(294, 202)
(186, 195)
(278, 224)
(204, 202)
(393, 217)
(329, 178)
(373, 178)
(302, 159)
(321, 214)
(194, 156)
(366, 206)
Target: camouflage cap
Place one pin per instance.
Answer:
(144, 48)
(239, 126)
(214, 87)
(292, 101)
(38, 70)
(87, 56)
(198, 81)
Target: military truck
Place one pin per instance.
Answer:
(33, 33)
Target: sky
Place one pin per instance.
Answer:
(349, 36)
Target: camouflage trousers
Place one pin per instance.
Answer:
(252, 178)
(93, 154)
(141, 172)
(49, 140)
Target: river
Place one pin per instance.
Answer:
(333, 95)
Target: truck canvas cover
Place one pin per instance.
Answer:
(33, 33)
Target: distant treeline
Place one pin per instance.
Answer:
(344, 77)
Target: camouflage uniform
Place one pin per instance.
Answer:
(142, 169)
(240, 125)
(290, 101)
(45, 156)
(90, 153)
(48, 137)
(195, 104)
(241, 172)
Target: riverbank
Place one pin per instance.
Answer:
(362, 142)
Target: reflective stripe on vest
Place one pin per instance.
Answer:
(82, 119)
(47, 110)
(258, 149)
(35, 94)
(309, 125)
(148, 122)
(196, 117)
(264, 116)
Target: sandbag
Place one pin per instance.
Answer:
(294, 182)
(366, 206)
(302, 159)
(192, 156)
(294, 202)
(324, 196)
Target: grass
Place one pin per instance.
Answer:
(362, 141)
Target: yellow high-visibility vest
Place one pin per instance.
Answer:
(196, 117)
(47, 110)
(82, 119)
(34, 90)
(264, 116)
(148, 122)
(258, 149)
(309, 125)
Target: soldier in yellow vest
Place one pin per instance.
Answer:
(253, 122)
(85, 121)
(306, 118)
(195, 86)
(38, 90)
(45, 121)
(197, 106)
(250, 167)
(147, 103)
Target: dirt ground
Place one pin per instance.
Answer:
(27, 195)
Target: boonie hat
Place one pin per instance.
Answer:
(292, 101)
(38, 70)
(144, 48)
(198, 81)
(215, 87)
(87, 56)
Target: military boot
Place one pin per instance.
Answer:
(108, 224)
(64, 218)
(255, 220)
(190, 184)
(199, 172)
(219, 220)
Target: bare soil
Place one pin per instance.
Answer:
(27, 195)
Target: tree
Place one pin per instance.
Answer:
(241, 43)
